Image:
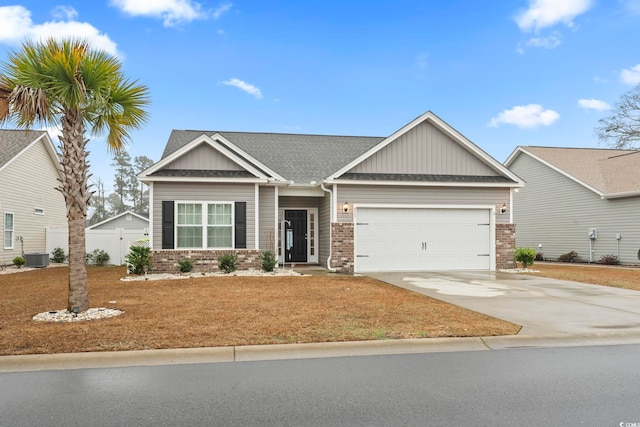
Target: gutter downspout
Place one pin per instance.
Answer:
(332, 214)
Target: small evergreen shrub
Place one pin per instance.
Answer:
(568, 257)
(19, 261)
(98, 257)
(58, 256)
(185, 265)
(228, 262)
(609, 259)
(525, 256)
(268, 260)
(138, 259)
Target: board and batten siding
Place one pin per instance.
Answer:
(28, 183)
(204, 157)
(415, 195)
(267, 204)
(424, 150)
(557, 212)
(202, 192)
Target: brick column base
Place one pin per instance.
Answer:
(505, 246)
(342, 247)
(166, 260)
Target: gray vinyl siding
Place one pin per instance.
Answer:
(416, 195)
(556, 212)
(203, 157)
(424, 150)
(267, 218)
(27, 183)
(202, 192)
(121, 222)
(324, 230)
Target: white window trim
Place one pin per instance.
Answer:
(204, 223)
(4, 230)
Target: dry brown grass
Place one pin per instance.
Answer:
(615, 276)
(224, 311)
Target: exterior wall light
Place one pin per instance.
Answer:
(345, 207)
(504, 209)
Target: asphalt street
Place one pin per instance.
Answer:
(586, 386)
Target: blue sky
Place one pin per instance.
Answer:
(503, 73)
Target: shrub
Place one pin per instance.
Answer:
(525, 256)
(609, 259)
(58, 256)
(138, 259)
(228, 262)
(98, 257)
(568, 257)
(19, 261)
(268, 260)
(185, 265)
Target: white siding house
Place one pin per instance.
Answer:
(29, 202)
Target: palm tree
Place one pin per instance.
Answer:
(67, 83)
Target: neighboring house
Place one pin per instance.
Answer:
(424, 198)
(585, 200)
(127, 220)
(29, 201)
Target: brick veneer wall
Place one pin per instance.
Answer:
(342, 251)
(505, 246)
(166, 261)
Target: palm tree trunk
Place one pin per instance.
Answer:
(76, 193)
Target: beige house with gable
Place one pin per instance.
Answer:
(29, 202)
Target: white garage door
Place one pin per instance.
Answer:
(405, 239)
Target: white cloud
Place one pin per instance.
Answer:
(631, 7)
(422, 61)
(631, 76)
(222, 9)
(548, 42)
(244, 86)
(547, 13)
(172, 12)
(593, 104)
(525, 116)
(16, 25)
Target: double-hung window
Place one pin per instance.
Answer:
(204, 225)
(8, 230)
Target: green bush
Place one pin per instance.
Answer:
(138, 259)
(228, 262)
(268, 260)
(98, 257)
(185, 265)
(58, 256)
(568, 257)
(19, 261)
(525, 256)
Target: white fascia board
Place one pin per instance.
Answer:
(427, 183)
(302, 191)
(557, 169)
(621, 195)
(48, 144)
(442, 125)
(202, 179)
(116, 217)
(236, 152)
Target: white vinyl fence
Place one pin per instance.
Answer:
(115, 242)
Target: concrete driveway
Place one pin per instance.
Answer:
(542, 306)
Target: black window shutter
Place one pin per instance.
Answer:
(167, 224)
(241, 225)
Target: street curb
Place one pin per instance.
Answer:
(119, 359)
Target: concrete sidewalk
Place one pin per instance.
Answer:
(42, 362)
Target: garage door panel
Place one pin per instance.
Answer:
(422, 239)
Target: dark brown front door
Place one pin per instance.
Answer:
(295, 236)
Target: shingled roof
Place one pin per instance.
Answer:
(13, 142)
(608, 171)
(299, 158)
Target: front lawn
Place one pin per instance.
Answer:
(615, 276)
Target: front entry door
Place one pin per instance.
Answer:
(295, 236)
